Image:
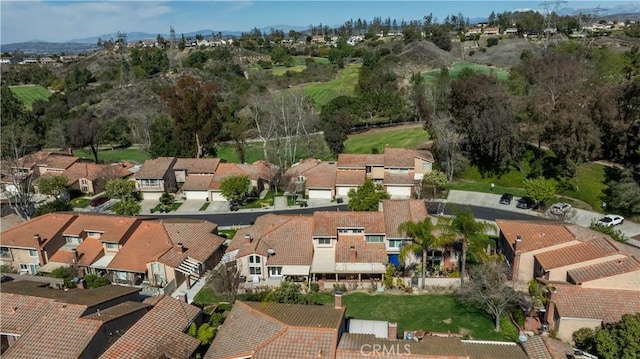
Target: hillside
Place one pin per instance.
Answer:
(422, 56)
(505, 54)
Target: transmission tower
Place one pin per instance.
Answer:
(587, 17)
(172, 45)
(122, 47)
(550, 26)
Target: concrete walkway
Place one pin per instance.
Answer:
(191, 292)
(581, 217)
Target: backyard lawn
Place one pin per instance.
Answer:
(134, 155)
(402, 136)
(30, 94)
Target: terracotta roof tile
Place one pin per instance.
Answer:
(159, 333)
(300, 343)
(398, 212)
(118, 311)
(364, 252)
(19, 312)
(404, 158)
(114, 229)
(197, 165)
(350, 177)
(543, 347)
(155, 169)
(47, 226)
(86, 297)
(298, 168)
(260, 228)
(47, 159)
(402, 179)
(92, 171)
(326, 224)
(604, 270)
(197, 183)
(254, 172)
(321, 176)
(606, 304)
(301, 315)
(197, 238)
(429, 347)
(535, 234)
(89, 251)
(346, 160)
(484, 350)
(576, 253)
(146, 244)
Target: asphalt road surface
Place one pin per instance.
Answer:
(247, 218)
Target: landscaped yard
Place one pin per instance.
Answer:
(30, 94)
(454, 71)
(323, 92)
(131, 154)
(402, 136)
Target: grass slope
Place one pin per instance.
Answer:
(408, 136)
(344, 84)
(29, 94)
(112, 156)
(454, 71)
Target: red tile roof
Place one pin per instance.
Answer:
(346, 160)
(352, 346)
(543, 347)
(404, 158)
(197, 238)
(606, 304)
(364, 252)
(576, 253)
(147, 244)
(92, 171)
(402, 179)
(155, 169)
(276, 330)
(535, 234)
(19, 312)
(197, 183)
(197, 165)
(254, 172)
(114, 229)
(47, 226)
(47, 159)
(160, 333)
(398, 212)
(604, 270)
(326, 224)
(89, 251)
(350, 177)
(321, 176)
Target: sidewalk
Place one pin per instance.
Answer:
(193, 291)
(582, 217)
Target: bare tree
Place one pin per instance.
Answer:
(17, 142)
(141, 131)
(447, 145)
(225, 280)
(490, 290)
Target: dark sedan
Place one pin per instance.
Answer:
(506, 198)
(526, 203)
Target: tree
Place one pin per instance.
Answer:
(225, 281)
(56, 205)
(425, 236)
(366, 197)
(290, 293)
(53, 185)
(433, 180)
(86, 130)
(161, 138)
(489, 290)
(238, 128)
(197, 118)
(492, 41)
(93, 281)
(126, 207)
(539, 189)
(466, 228)
(614, 340)
(120, 189)
(447, 145)
(235, 187)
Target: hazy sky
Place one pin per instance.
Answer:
(57, 21)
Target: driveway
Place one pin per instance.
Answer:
(190, 205)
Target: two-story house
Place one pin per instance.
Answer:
(156, 177)
(91, 178)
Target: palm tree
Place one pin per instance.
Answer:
(426, 236)
(465, 226)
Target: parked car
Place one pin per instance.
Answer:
(610, 220)
(506, 198)
(526, 203)
(98, 201)
(560, 208)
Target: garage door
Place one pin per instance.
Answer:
(344, 191)
(200, 195)
(399, 192)
(320, 194)
(152, 195)
(217, 196)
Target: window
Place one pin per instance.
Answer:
(254, 265)
(395, 243)
(33, 253)
(112, 245)
(121, 275)
(426, 166)
(72, 240)
(149, 183)
(255, 270)
(300, 179)
(254, 259)
(324, 240)
(93, 234)
(374, 239)
(5, 252)
(29, 268)
(155, 267)
(275, 271)
(343, 231)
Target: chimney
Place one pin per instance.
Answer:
(70, 151)
(517, 244)
(516, 258)
(180, 248)
(247, 237)
(353, 254)
(38, 238)
(183, 297)
(338, 300)
(393, 331)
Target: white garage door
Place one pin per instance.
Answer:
(217, 196)
(399, 192)
(319, 194)
(344, 191)
(201, 195)
(152, 195)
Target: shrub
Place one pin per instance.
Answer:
(314, 287)
(492, 41)
(471, 53)
(614, 233)
(93, 281)
(339, 287)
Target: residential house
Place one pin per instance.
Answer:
(160, 333)
(260, 173)
(491, 31)
(327, 247)
(91, 178)
(46, 162)
(29, 245)
(545, 347)
(37, 321)
(277, 330)
(572, 307)
(566, 253)
(511, 31)
(156, 177)
(185, 167)
(47, 61)
(312, 178)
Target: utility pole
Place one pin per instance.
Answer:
(172, 45)
(550, 26)
(122, 46)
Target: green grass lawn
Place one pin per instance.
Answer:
(80, 202)
(253, 152)
(404, 136)
(112, 156)
(454, 71)
(344, 84)
(206, 296)
(29, 94)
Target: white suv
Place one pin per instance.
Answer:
(560, 208)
